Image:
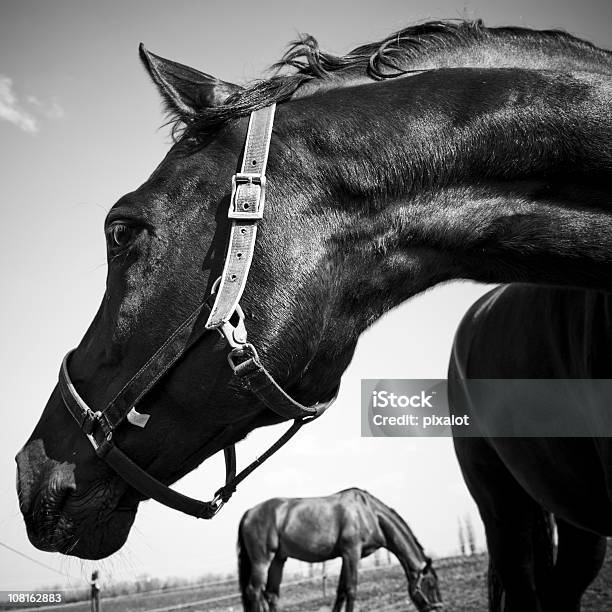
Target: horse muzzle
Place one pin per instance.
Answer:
(43, 485)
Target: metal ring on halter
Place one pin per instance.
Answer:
(235, 335)
(216, 503)
(215, 286)
(241, 351)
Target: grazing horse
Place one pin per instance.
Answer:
(448, 150)
(525, 332)
(351, 524)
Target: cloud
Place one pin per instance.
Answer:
(25, 114)
(52, 110)
(11, 110)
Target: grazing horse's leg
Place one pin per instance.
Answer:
(513, 524)
(275, 575)
(255, 589)
(347, 586)
(341, 592)
(579, 558)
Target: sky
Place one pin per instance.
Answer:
(80, 126)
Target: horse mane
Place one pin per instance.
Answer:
(304, 61)
(387, 509)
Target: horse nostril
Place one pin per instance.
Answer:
(61, 483)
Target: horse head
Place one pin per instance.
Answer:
(424, 590)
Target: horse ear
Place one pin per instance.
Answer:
(184, 89)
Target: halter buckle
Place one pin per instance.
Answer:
(94, 420)
(247, 209)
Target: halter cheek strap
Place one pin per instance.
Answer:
(246, 210)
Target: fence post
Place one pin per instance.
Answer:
(95, 592)
(324, 580)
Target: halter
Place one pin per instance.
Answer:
(245, 211)
(418, 596)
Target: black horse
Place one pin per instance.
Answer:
(527, 332)
(350, 524)
(448, 150)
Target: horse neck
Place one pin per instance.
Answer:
(399, 538)
(493, 175)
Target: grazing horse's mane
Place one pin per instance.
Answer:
(386, 510)
(305, 62)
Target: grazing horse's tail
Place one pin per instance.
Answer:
(244, 564)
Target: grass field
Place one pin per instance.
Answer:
(382, 589)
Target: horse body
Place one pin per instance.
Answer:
(324, 524)
(526, 332)
(494, 174)
(350, 524)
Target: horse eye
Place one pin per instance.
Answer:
(121, 235)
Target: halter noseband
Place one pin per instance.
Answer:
(245, 211)
(418, 596)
